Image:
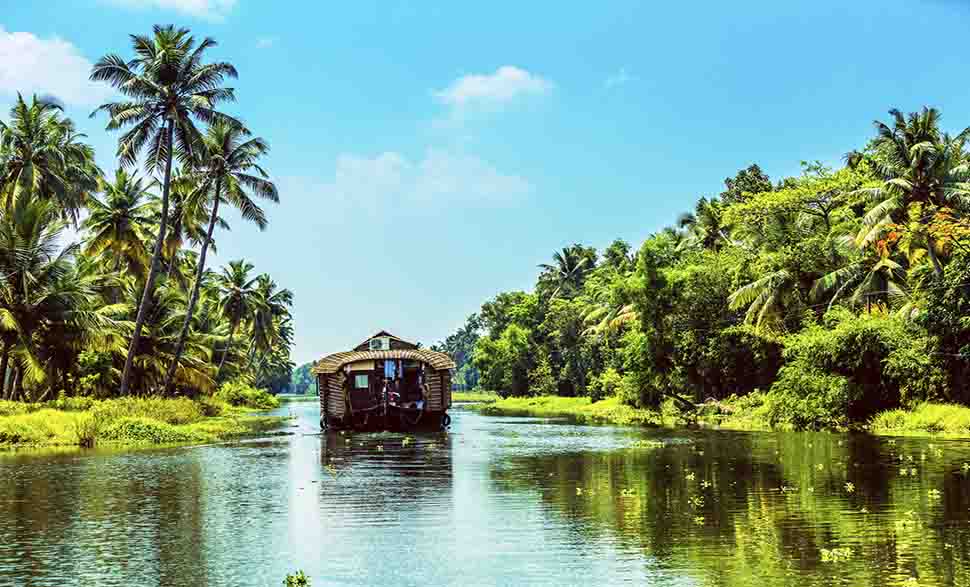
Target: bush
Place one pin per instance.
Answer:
(147, 431)
(606, 384)
(850, 367)
(239, 394)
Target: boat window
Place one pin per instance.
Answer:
(360, 381)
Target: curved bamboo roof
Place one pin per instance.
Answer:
(333, 363)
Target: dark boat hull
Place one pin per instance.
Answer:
(394, 419)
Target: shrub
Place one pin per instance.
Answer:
(239, 394)
(606, 384)
(141, 430)
(850, 367)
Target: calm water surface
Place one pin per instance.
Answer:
(496, 501)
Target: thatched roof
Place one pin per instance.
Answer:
(333, 363)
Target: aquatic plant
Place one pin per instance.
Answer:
(835, 555)
(297, 579)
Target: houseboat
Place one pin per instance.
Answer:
(385, 383)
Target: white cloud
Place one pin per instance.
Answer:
(507, 83)
(31, 65)
(440, 176)
(619, 78)
(208, 9)
(265, 42)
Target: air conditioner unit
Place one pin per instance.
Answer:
(381, 343)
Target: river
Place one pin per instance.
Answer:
(495, 501)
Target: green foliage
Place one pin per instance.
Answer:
(297, 579)
(851, 366)
(926, 418)
(505, 362)
(140, 430)
(731, 300)
(86, 422)
(302, 381)
(240, 394)
(605, 385)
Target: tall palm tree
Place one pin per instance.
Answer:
(119, 225)
(872, 274)
(271, 304)
(41, 156)
(917, 164)
(228, 169)
(705, 224)
(51, 308)
(767, 298)
(168, 89)
(238, 297)
(568, 269)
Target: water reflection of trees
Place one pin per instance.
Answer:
(770, 509)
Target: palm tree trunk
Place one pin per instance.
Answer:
(4, 361)
(146, 297)
(930, 249)
(225, 352)
(194, 297)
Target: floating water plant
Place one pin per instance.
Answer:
(690, 476)
(836, 555)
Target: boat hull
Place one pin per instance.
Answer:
(394, 419)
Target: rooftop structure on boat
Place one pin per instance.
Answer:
(385, 383)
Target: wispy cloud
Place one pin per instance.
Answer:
(31, 65)
(206, 9)
(265, 42)
(440, 176)
(506, 84)
(619, 78)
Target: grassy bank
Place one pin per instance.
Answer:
(926, 419)
(129, 421)
(298, 398)
(743, 413)
(474, 396)
(579, 409)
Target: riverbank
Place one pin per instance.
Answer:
(579, 409)
(928, 419)
(474, 396)
(82, 422)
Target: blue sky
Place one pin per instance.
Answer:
(429, 155)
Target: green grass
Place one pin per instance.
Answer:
(580, 409)
(474, 396)
(298, 398)
(125, 421)
(925, 419)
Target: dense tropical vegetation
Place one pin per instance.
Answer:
(820, 299)
(104, 288)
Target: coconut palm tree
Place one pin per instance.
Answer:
(228, 169)
(42, 156)
(168, 88)
(50, 305)
(270, 305)
(705, 224)
(568, 269)
(238, 297)
(872, 274)
(918, 164)
(119, 226)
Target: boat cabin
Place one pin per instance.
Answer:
(385, 383)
